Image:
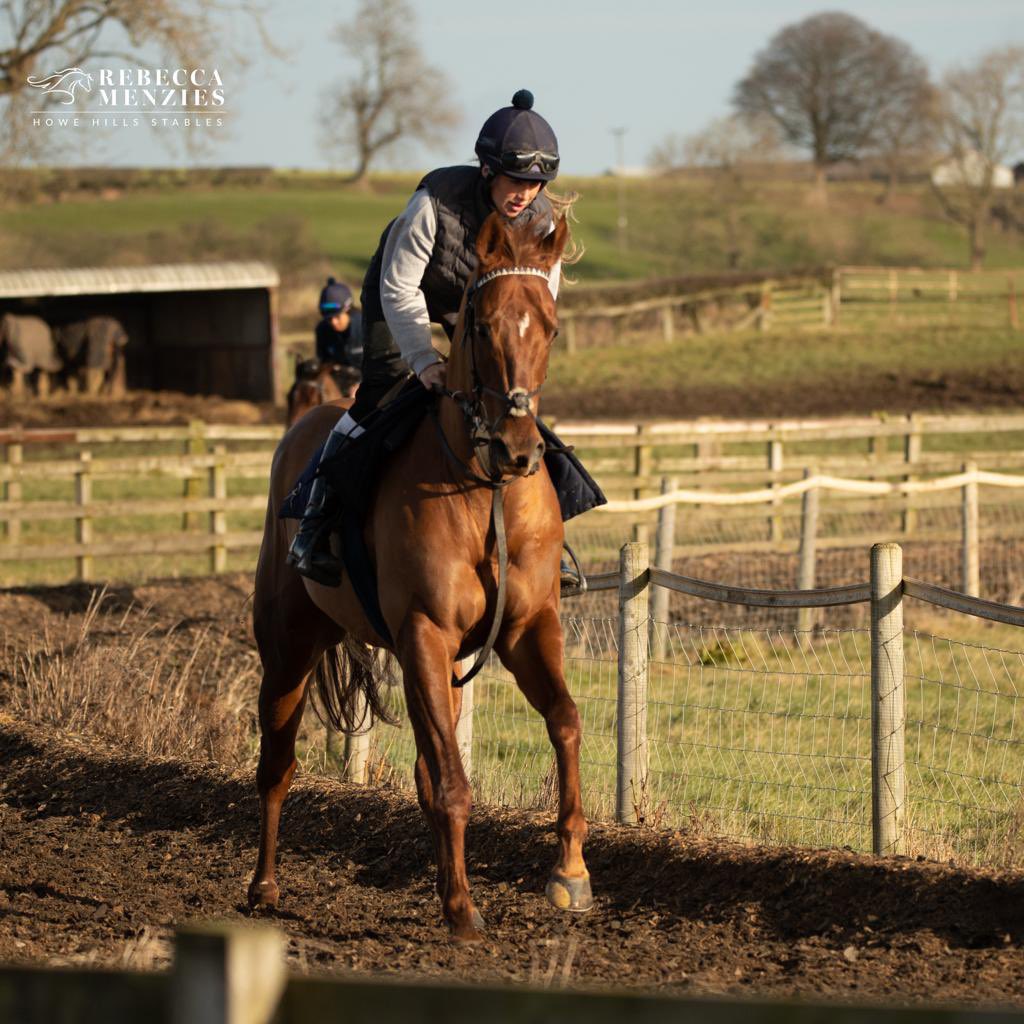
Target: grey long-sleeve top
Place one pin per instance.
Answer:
(406, 255)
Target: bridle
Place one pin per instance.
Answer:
(515, 402)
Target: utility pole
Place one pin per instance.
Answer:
(622, 221)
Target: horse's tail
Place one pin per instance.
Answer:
(342, 675)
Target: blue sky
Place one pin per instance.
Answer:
(654, 66)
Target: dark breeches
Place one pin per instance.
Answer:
(383, 367)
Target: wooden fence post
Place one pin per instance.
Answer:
(808, 549)
(631, 731)
(888, 700)
(667, 325)
(227, 974)
(83, 523)
(836, 294)
(12, 489)
(464, 726)
(218, 489)
(775, 461)
(195, 445)
(971, 583)
(570, 334)
(911, 456)
(357, 745)
(664, 549)
(642, 458)
(764, 321)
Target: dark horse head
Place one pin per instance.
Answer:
(501, 358)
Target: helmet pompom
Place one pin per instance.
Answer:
(331, 281)
(523, 100)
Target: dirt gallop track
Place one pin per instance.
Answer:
(102, 852)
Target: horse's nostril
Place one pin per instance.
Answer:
(522, 462)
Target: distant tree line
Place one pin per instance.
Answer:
(840, 91)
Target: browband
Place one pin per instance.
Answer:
(512, 272)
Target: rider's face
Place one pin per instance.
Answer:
(340, 321)
(512, 195)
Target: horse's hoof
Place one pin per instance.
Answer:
(263, 895)
(572, 894)
(471, 932)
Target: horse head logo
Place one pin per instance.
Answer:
(66, 82)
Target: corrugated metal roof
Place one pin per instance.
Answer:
(166, 277)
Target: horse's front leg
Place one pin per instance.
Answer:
(533, 654)
(426, 658)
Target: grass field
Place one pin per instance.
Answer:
(675, 227)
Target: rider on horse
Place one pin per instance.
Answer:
(424, 261)
(339, 334)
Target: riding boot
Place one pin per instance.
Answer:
(573, 582)
(310, 552)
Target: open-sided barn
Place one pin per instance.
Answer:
(200, 328)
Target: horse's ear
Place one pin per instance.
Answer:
(492, 241)
(552, 245)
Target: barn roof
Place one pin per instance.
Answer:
(165, 277)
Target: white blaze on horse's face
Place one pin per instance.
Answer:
(524, 323)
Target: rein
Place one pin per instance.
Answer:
(517, 403)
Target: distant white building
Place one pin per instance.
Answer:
(970, 169)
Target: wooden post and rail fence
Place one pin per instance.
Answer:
(833, 296)
(710, 459)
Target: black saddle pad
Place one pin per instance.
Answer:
(354, 469)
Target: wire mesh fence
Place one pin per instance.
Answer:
(764, 733)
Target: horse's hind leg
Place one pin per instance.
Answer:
(534, 656)
(289, 652)
(441, 780)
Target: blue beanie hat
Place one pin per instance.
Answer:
(335, 298)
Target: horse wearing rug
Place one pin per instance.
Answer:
(462, 520)
(93, 351)
(28, 346)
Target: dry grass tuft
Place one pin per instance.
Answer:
(153, 689)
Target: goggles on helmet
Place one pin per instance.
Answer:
(520, 163)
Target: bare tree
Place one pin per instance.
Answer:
(982, 126)
(828, 81)
(668, 154)
(733, 145)
(39, 37)
(907, 133)
(394, 96)
(733, 150)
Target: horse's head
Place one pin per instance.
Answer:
(509, 324)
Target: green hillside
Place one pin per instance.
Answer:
(305, 223)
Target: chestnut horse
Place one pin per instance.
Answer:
(430, 537)
(317, 383)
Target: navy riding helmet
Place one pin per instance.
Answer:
(518, 142)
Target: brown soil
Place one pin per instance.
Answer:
(137, 409)
(102, 853)
(991, 388)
